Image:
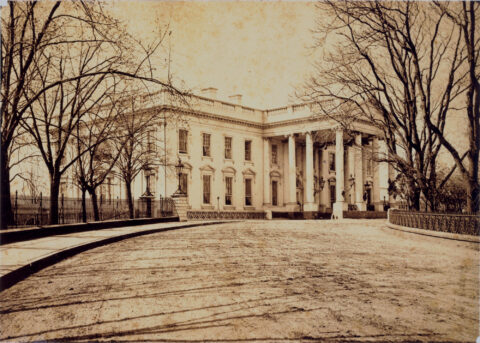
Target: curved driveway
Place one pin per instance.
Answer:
(278, 281)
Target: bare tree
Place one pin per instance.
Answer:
(94, 140)
(138, 145)
(395, 64)
(42, 61)
(23, 33)
(465, 16)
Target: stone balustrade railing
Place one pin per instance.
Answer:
(445, 222)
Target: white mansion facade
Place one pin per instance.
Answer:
(238, 158)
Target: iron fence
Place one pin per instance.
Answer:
(446, 222)
(35, 211)
(208, 215)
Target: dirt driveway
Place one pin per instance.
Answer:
(278, 281)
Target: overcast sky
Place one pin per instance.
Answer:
(258, 49)
(261, 50)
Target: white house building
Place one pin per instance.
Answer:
(238, 158)
(243, 159)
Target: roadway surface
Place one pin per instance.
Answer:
(267, 281)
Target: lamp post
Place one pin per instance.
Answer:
(147, 196)
(179, 169)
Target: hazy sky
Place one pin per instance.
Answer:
(258, 49)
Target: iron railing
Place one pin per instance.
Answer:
(35, 211)
(446, 222)
(208, 215)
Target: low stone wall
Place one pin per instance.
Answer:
(208, 215)
(454, 223)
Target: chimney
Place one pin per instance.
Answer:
(236, 99)
(209, 92)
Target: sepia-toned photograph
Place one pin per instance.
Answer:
(240, 171)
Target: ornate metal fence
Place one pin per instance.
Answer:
(207, 215)
(454, 223)
(35, 211)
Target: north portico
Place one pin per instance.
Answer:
(325, 171)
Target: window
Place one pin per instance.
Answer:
(248, 150)
(108, 183)
(206, 189)
(331, 161)
(63, 187)
(228, 147)
(274, 193)
(150, 182)
(151, 146)
(228, 190)
(248, 192)
(274, 154)
(184, 183)
(369, 166)
(182, 141)
(206, 144)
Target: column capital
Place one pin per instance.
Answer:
(267, 139)
(310, 133)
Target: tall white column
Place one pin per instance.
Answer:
(349, 189)
(309, 200)
(292, 174)
(359, 173)
(338, 206)
(266, 171)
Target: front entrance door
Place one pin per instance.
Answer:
(274, 193)
(368, 194)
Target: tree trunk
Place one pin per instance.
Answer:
(96, 212)
(128, 185)
(54, 191)
(473, 194)
(415, 198)
(6, 205)
(84, 205)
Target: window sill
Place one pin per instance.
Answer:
(184, 154)
(209, 158)
(248, 163)
(249, 208)
(229, 207)
(207, 207)
(225, 160)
